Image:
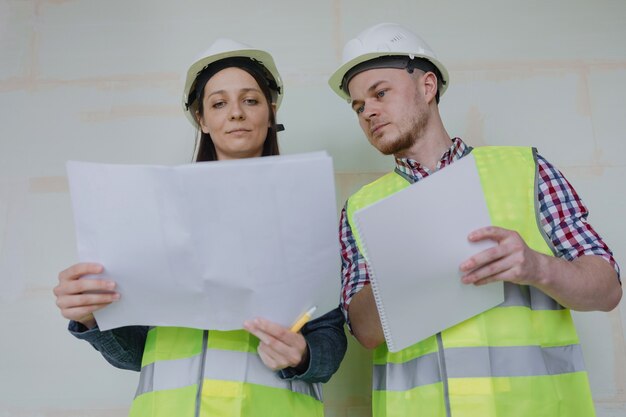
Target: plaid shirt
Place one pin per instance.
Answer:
(562, 213)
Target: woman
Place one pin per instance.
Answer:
(231, 95)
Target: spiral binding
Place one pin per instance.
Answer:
(377, 298)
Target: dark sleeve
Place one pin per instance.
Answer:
(121, 347)
(327, 345)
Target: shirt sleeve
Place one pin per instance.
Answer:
(327, 344)
(122, 347)
(354, 275)
(563, 217)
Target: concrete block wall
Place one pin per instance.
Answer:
(101, 81)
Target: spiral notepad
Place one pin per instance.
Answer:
(414, 242)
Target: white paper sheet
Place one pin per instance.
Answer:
(209, 245)
(415, 242)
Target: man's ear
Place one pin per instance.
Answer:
(429, 80)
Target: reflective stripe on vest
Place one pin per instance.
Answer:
(196, 373)
(521, 358)
(479, 362)
(218, 365)
(530, 297)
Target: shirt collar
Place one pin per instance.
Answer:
(415, 170)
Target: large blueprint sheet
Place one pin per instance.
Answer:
(209, 245)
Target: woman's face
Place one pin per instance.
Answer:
(235, 113)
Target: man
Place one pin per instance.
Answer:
(521, 358)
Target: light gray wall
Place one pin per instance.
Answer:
(101, 81)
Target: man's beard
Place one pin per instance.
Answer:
(407, 139)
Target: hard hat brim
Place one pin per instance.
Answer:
(336, 78)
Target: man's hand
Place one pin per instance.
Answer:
(509, 260)
(587, 283)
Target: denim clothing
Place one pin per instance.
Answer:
(123, 347)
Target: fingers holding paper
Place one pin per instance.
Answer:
(78, 298)
(279, 347)
(509, 260)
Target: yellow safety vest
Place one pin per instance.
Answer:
(521, 358)
(201, 373)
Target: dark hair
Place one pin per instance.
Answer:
(206, 147)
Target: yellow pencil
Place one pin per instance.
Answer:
(303, 319)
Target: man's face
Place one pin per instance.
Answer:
(391, 109)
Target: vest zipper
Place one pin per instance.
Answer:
(444, 374)
(205, 341)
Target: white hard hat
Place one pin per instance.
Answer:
(228, 48)
(384, 39)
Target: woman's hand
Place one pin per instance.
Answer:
(78, 298)
(279, 347)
